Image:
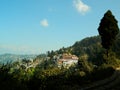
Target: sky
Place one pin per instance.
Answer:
(38, 26)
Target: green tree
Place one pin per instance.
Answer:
(108, 29)
(84, 65)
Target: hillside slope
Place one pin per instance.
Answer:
(90, 46)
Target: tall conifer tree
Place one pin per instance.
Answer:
(108, 29)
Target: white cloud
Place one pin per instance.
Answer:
(81, 7)
(44, 23)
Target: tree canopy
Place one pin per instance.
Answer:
(108, 29)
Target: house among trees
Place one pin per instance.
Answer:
(67, 60)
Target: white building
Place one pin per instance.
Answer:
(67, 60)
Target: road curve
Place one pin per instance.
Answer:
(105, 84)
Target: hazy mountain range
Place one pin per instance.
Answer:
(4, 58)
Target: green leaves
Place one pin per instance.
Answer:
(108, 29)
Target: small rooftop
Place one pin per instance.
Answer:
(69, 56)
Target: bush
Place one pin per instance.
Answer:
(102, 72)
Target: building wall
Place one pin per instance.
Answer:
(67, 62)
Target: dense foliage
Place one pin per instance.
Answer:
(50, 79)
(108, 30)
(47, 76)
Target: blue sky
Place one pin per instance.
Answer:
(36, 26)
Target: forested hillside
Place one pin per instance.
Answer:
(116, 46)
(90, 46)
(42, 73)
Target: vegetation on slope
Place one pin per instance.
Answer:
(43, 73)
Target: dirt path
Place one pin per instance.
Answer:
(105, 84)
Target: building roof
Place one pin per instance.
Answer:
(69, 56)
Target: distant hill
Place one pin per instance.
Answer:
(90, 46)
(5, 58)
